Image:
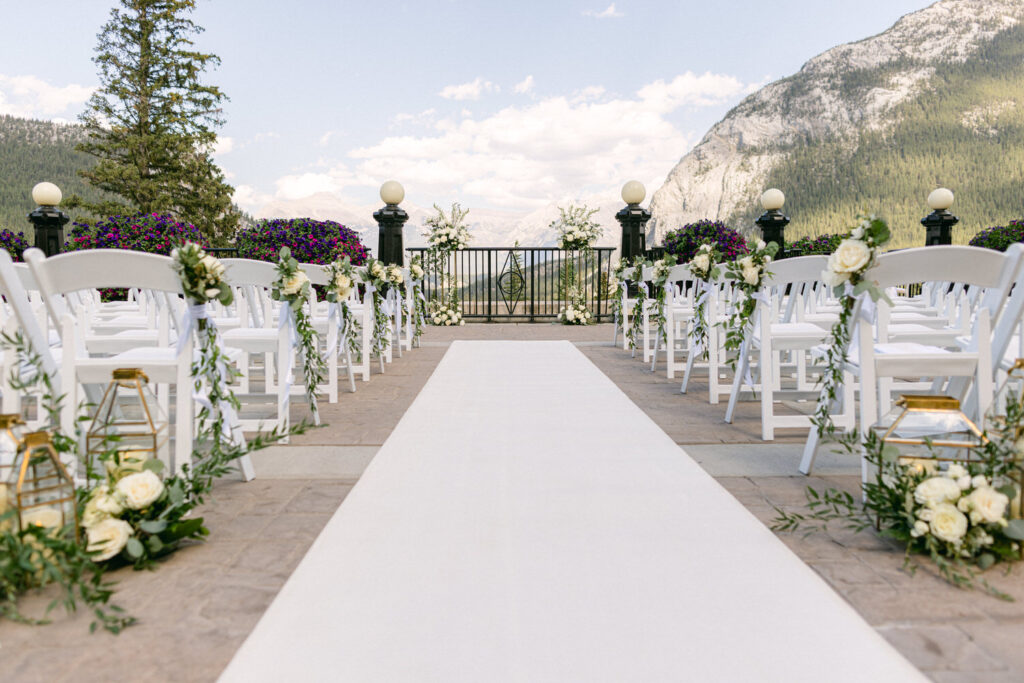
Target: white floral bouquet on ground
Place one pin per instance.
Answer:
(292, 289)
(575, 228)
(956, 516)
(447, 315)
(575, 311)
(846, 273)
(447, 232)
(135, 515)
(704, 268)
(747, 273)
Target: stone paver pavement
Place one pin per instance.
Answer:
(196, 609)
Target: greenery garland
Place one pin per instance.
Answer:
(704, 267)
(292, 289)
(636, 323)
(845, 274)
(659, 278)
(747, 273)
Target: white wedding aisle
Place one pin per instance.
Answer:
(525, 521)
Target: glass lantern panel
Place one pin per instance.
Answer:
(44, 495)
(129, 420)
(1008, 405)
(928, 432)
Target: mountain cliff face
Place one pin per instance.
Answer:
(803, 133)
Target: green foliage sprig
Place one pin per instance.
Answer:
(704, 267)
(636, 324)
(659, 279)
(343, 278)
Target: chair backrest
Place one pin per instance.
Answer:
(13, 291)
(98, 269)
(794, 270)
(957, 264)
(243, 271)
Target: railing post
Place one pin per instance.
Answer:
(390, 220)
(939, 223)
(773, 222)
(47, 220)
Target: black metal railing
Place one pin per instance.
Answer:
(521, 283)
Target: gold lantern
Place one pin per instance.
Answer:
(12, 431)
(929, 429)
(40, 488)
(129, 427)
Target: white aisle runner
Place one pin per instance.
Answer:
(527, 522)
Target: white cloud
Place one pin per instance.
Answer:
(689, 89)
(326, 137)
(468, 91)
(223, 145)
(608, 13)
(524, 86)
(32, 97)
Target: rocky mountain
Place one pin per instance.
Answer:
(873, 126)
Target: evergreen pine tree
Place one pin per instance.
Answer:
(151, 123)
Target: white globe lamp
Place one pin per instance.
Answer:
(940, 199)
(46, 194)
(392, 192)
(772, 200)
(633, 192)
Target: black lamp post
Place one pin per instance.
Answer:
(773, 222)
(939, 223)
(633, 219)
(390, 220)
(47, 220)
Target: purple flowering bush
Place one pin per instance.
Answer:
(310, 241)
(685, 241)
(822, 245)
(999, 237)
(14, 243)
(149, 232)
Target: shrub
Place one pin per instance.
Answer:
(685, 241)
(822, 245)
(999, 237)
(149, 232)
(14, 243)
(310, 241)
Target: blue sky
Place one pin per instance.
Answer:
(500, 105)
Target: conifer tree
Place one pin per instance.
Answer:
(151, 123)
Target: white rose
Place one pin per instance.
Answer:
(850, 257)
(570, 314)
(751, 275)
(761, 245)
(979, 480)
(955, 471)
(342, 285)
(105, 500)
(702, 262)
(293, 284)
(987, 505)
(936, 490)
(417, 272)
(705, 247)
(461, 321)
(47, 517)
(377, 269)
(920, 529)
(964, 482)
(858, 233)
(948, 524)
(140, 490)
(92, 515)
(109, 537)
(212, 293)
(746, 262)
(925, 514)
(833, 279)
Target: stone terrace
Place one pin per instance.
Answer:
(198, 607)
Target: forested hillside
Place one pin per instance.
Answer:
(965, 132)
(34, 151)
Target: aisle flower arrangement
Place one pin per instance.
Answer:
(447, 316)
(575, 228)
(375, 274)
(659, 280)
(846, 273)
(292, 289)
(957, 516)
(419, 303)
(746, 274)
(636, 323)
(705, 269)
(615, 283)
(308, 240)
(342, 277)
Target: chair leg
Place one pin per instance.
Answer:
(690, 359)
(737, 385)
(184, 427)
(767, 361)
(283, 395)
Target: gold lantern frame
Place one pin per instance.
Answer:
(8, 423)
(935, 404)
(32, 490)
(151, 430)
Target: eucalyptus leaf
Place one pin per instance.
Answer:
(1015, 530)
(154, 465)
(986, 560)
(1009, 490)
(153, 526)
(134, 548)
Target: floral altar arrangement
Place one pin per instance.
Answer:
(447, 232)
(309, 240)
(575, 229)
(575, 311)
(845, 273)
(342, 277)
(616, 281)
(292, 289)
(746, 273)
(704, 267)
